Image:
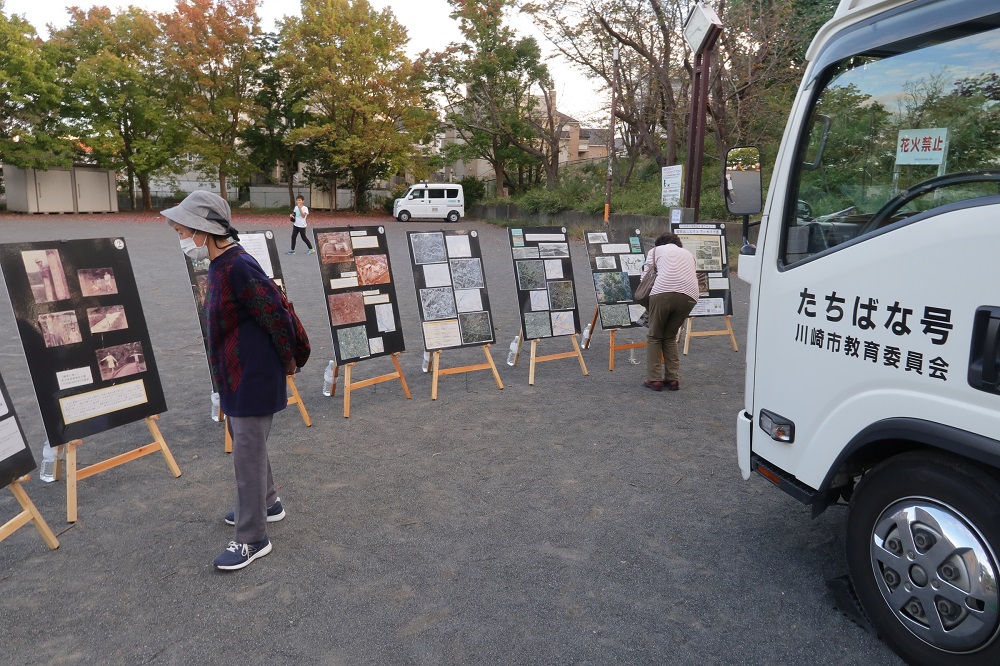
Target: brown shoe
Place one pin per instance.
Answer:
(653, 386)
(673, 385)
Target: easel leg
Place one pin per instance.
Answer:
(436, 356)
(593, 323)
(517, 354)
(531, 364)
(732, 337)
(71, 479)
(493, 366)
(336, 373)
(297, 399)
(402, 379)
(347, 390)
(687, 334)
(164, 449)
(229, 435)
(579, 354)
(611, 353)
(31, 515)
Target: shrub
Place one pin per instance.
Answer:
(396, 193)
(475, 190)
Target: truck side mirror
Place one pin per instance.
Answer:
(741, 186)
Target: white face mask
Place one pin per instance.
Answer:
(191, 249)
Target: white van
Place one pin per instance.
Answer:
(873, 345)
(431, 201)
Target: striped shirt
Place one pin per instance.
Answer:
(675, 270)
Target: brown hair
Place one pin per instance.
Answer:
(670, 238)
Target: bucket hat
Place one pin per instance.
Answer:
(202, 211)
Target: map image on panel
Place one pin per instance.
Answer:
(616, 260)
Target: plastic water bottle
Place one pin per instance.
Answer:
(328, 380)
(48, 470)
(586, 336)
(427, 361)
(515, 343)
(215, 407)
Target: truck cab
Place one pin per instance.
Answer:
(874, 327)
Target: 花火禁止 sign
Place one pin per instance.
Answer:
(922, 146)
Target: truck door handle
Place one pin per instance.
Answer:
(984, 359)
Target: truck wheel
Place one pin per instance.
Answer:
(404, 216)
(453, 216)
(922, 541)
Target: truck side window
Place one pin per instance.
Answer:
(883, 122)
(417, 195)
(452, 194)
(436, 194)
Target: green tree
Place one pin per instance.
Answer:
(114, 93)
(269, 139)
(30, 131)
(212, 55)
(498, 93)
(369, 113)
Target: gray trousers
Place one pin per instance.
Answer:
(667, 312)
(254, 483)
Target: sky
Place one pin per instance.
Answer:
(427, 22)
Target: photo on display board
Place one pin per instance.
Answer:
(594, 238)
(372, 269)
(476, 328)
(458, 246)
(561, 296)
(121, 360)
(605, 263)
(631, 263)
(537, 325)
(530, 275)
(46, 276)
(546, 250)
(346, 308)
(97, 281)
(554, 269)
(524, 252)
(107, 318)
(468, 300)
(563, 323)
(353, 342)
(612, 287)
(335, 247)
(436, 275)
(428, 248)
(60, 328)
(615, 316)
(467, 274)
(437, 303)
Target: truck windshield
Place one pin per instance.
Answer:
(927, 119)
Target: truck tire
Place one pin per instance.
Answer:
(923, 536)
(453, 216)
(404, 216)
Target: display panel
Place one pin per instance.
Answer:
(707, 242)
(543, 275)
(360, 292)
(451, 291)
(616, 260)
(15, 456)
(80, 320)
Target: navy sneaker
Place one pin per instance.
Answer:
(238, 555)
(275, 512)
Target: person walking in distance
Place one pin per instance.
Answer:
(671, 300)
(299, 215)
(253, 343)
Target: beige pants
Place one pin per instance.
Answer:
(667, 312)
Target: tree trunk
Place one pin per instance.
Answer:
(222, 185)
(147, 197)
(291, 185)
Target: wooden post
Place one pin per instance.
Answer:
(593, 324)
(688, 333)
(29, 514)
(535, 358)
(614, 348)
(350, 385)
(73, 475)
(489, 365)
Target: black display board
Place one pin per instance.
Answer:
(451, 291)
(81, 323)
(360, 293)
(707, 242)
(543, 275)
(15, 457)
(616, 260)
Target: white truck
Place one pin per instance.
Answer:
(873, 345)
(431, 201)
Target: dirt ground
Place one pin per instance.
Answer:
(582, 520)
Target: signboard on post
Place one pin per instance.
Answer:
(927, 147)
(672, 182)
(707, 242)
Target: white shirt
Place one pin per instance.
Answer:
(301, 215)
(676, 270)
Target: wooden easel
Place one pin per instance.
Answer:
(489, 365)
(688, 333)
(535, 358)
(593, 325)
(73, 475)
(29, 514)
(350, 386)
(293, 399)
(614, 348)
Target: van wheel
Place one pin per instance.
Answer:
(453, 216)
(404, 216)
(922, 541)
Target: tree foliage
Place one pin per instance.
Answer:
(368, 112)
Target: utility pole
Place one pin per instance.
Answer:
(701, 30)
(611, 139)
